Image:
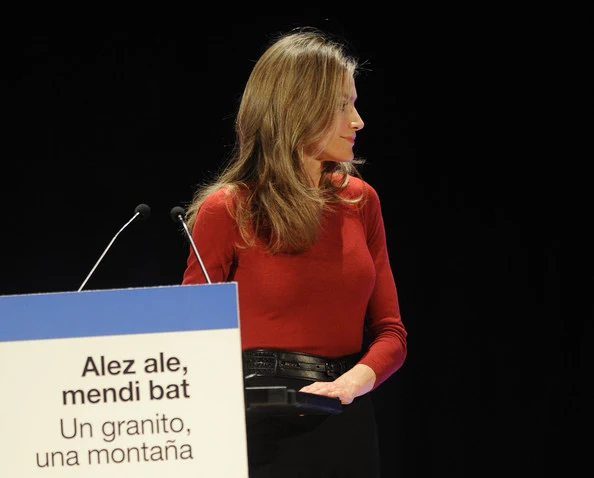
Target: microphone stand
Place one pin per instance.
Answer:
(141, 210)
(177, 215)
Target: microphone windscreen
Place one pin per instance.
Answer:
(143, 210)
(176, 212)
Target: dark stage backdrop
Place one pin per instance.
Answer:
(97, 121)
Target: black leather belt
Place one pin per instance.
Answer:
(281, 363)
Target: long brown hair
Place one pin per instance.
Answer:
(289, 103)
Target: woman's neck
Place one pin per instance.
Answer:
(314, 170)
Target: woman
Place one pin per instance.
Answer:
(292, 222)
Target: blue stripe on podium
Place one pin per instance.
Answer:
(118, 311)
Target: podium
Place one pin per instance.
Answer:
(272, 400)
(127, 382)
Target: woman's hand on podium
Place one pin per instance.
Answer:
(352, 384)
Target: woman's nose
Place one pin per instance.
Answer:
(358, 124)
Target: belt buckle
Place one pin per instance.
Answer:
(265, 361)
(330, 369)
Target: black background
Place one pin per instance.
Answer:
(98, 120)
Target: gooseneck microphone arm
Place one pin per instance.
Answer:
(177, 214)
(143, 211)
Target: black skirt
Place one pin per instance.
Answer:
(342, 445)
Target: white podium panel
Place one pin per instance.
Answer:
(119, 383)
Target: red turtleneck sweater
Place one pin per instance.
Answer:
(317, 301)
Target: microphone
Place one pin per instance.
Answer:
(177, 214)
(142, 211)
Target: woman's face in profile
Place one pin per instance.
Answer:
(339, 141)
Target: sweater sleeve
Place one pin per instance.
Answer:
(215, 236)
(387, 336)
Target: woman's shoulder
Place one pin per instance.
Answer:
(357, 186)
(221, 199)
(219, 196)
